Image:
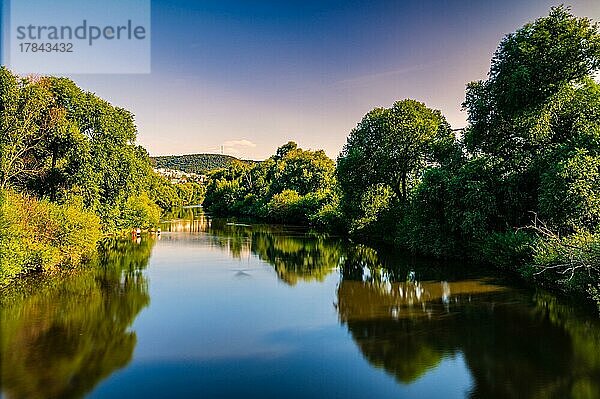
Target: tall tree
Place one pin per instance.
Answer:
(392, 147)
(25, 122)
(529, 67)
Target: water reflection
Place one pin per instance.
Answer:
(517, 344)
(189, 220)
(62, 335)
(433, 299)
(295, 254)
(408, 315)
(239, 333)
(513, 346)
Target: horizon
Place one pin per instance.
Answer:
(249, 78)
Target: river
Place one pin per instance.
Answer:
(217, 309)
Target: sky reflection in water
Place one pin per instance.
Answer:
(217, 309)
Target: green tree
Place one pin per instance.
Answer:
(391, 146)
(294, 185)
(529, 67)
(24, 125)
(300, 170)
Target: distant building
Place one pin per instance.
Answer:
(178, 176)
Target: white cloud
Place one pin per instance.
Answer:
(239, 143)
(238, 148)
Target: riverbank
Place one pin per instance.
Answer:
(527, 259)
(267, 308)
(71, 172)
(564, 266)
(518, 187)
(42, 236)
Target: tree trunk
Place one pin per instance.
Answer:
(403, 186)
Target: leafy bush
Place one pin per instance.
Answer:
(139, 212)
(40, 235)
(328, 215)
(571, 262)
(223, 195)
(286, 207)
(570, 192)
(510, 250)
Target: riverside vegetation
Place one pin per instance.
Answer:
(70, 172)
(518, 188)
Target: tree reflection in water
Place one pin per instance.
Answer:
(515, 347)
(406, 315)
(295, 254)
(62, 335)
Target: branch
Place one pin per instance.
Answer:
(576, 257)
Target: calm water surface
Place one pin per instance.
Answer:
(214, 309)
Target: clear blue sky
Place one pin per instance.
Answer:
(251, 75)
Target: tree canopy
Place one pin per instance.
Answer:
(519, 188)
(293, 186)
(529, 67)
(392, 146)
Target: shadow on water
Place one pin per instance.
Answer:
(61, 335)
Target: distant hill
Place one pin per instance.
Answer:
(195, 163)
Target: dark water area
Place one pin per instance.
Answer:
(215, 308)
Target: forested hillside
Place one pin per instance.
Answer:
(195, 163)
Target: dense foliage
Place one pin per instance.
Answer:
(36, 235)
(292, 186)
(69, 171)
(519, 187)
(392, 146)
(385, 157)
(196, 163)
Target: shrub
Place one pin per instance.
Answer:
(40, 235)
(570, 192)
(329, 214)
(139, 211)
(571, 262)
(286, 207)
(510, 250)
